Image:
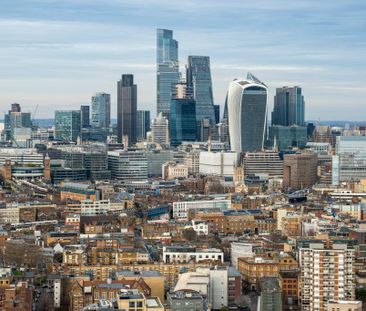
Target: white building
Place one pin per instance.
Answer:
(9, 215)
(326, 274)
(240, 249)
(218, 163)
(200, 227)
(184, 254)
(160, 130)
(92, 208)
(173, 170)
(180, 209)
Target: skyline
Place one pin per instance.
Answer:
(39, 55)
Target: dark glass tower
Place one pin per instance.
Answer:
(199, 80)
(101, 110)
(182, 126)
(289, 107)
(126, 109)
(167, 69)
(143, 124)
(85, 116)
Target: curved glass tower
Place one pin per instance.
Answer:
(247, 114)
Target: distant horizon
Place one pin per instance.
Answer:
(58, 54)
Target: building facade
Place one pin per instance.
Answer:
(101, 110)
(67, 124)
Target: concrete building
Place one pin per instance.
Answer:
(160, 130)
(173, 170)
(186, 301)
(344, 305)
(300, 170)
(218, 164)
(93, 208)
(240, 249)
(263, 162)
(327, 273)
(182, 254)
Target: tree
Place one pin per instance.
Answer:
(189, 234)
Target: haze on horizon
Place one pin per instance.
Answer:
(57, 54)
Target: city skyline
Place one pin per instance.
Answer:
(323, 54)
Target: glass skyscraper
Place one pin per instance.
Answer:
(85, 116)
(199, 79)
(143, 124)
(247, 114)
(167, 69)
(67, 124)
(289, 107)
(183, 125)
(101, 110)
(126, 109)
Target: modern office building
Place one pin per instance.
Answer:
(263, 162)
(160, 130)
(289, 107)
(85, 116)
(271, 298)
(167, 69)
(199, 80)
(127, 165)
(156, 159)
(126, 109)
(143, 124)
(247, 114)
(182, 125)
(15, 119)
(287, 137)
(218, 164)
(327, 274)
(300, 170)
(67, 124)
(101, 110)
(180, 209)
(349, 162)
(217, 114)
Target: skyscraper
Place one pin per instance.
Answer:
(167, 69)
(143, 124)
(247, 114)
(126, 109)
(199, 79)
(160, 130)
(67, 124)
(16, 119)
(85, 116)
(182, 125)
(101, 110)
(289, 107)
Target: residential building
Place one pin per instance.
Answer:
(270, 298)
(67, 124)
(186, 301)
(94, 207)
(247, 114)
(327, 274)
(126, 110)
(344, 305)
(101, 110)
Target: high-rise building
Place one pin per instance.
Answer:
(182, 125)
(217, 113)
(85, 116)
(287, 137)
(101, 110)
(143, 124)
(326, 275)
(67, 124)
(247, 114)
(160, 130)
(300, 170)
(263, 162)
(289, 107)
(167, 69)
(16, 119)
(126, 109)
(199, 79)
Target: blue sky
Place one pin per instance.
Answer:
(58, 53)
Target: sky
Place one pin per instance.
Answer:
(57, 54)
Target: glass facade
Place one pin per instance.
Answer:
(143, 124)
(287, 137)
(101, 110)
(182, 124)
(199, 79)
(85, 116)
(289, 107)
(167, 69)
(67, 124)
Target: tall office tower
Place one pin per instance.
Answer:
(16, 119)
(217, 113)
(289, 107)
(85, 116)
(199, 79)
(67, 124)
(182, 125)
(143, 124)
(126, 109)
(247, 114)
(300, 170)
(101, 110)
(167, 75)
(160, 130)
(326, 274)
